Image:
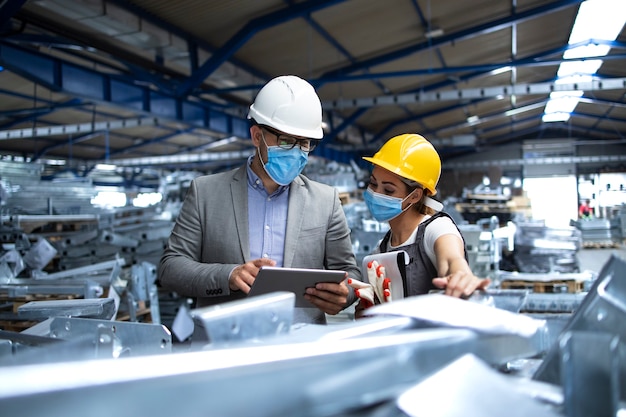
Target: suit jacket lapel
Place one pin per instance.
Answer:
(298, 200)
(239, 193)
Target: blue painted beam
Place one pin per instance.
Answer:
(241, 37)
(192, 42)
(481, 29)
(86, 83)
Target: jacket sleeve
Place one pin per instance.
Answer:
(339, 251)
(183, 268)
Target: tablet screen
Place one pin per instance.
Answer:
(295, 280)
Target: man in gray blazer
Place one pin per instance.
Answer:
(265, 213)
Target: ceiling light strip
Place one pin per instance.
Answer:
(77, 128)
(183, 158)
(536, 161)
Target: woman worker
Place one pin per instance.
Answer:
(405, 174)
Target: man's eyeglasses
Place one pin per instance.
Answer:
(289, 142)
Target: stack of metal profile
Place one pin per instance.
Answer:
(23, 191)
(599, 232)
(541, 249)
(430, 352)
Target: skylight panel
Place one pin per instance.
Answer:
(596, 20)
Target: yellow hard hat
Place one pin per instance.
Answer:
(412, 157)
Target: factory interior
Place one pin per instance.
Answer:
(109, 109)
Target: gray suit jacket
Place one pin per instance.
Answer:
(210, 236)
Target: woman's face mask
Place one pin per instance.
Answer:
(284, 165)
(384, 207)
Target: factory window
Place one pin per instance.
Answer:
(553, 199)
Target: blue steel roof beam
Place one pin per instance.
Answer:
(426, 24)
(336, 131)
(191, 41)
(496, 115)
(608, 103)
(74, 140)
(91, 135)
(73, 49)
(493, 116)
(503, 114)
(102, 150)
(51, 41)
(449, 108)
(508, 123)
(383, 132)
(538, 59)
(344, 124)
(153, 141)
(241, 37)
(469, 33)
(331, 40)
(34, 112)
(481, 69)
(124, 57)
(72, 79)
(541, 128)
(566, 127)
(613, 131)
(594, 100)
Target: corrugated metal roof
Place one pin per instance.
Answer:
(196, 65)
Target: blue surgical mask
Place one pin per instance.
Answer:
(383, 207)
(284, 165)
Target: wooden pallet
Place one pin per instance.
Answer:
(545, 287)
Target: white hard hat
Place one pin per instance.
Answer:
(289, 104)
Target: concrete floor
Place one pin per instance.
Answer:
(593, 259)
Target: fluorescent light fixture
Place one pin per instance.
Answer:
(147, 199)
(109, 199)
(221, 142)
(473, 120)
(596, 20)
(54, 162)
(523, 109)
(434, 33)
(500, 70)
(555, 117)
(105, 167)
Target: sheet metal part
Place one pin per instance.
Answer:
(590, 373)
(450, 391)
(246, 320)
(86, 288)
(141, 287)
(306, 379)
(96, 308)
(504, 335)
(604, 311)
(83, 339)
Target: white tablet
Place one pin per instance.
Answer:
(295, 280)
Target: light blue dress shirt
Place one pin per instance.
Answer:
(267, 219)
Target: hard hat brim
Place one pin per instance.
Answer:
(395, 170)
